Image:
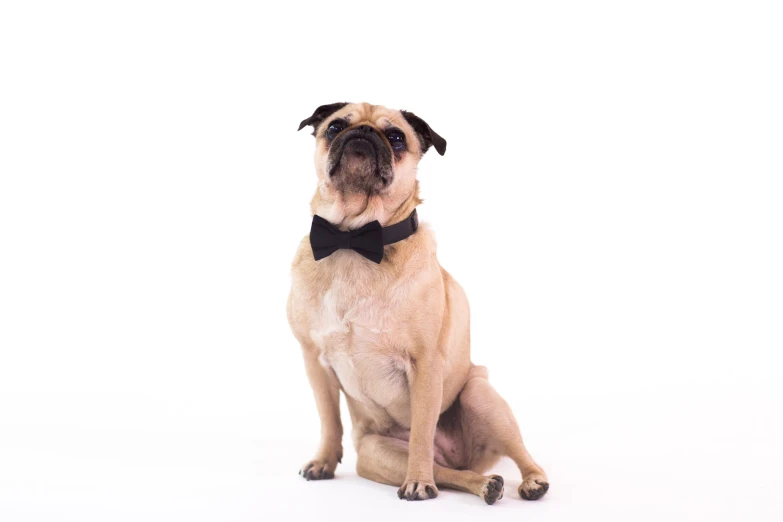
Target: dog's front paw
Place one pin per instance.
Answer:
(318, 469)
(417, 490)
(533, 487)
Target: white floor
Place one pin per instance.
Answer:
(713, 456)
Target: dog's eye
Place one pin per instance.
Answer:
(397, 139)
(335, 128)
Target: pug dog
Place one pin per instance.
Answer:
(381, 321)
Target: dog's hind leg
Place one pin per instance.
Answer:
(385, 460)
(490, 431)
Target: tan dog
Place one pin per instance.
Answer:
(394, 336)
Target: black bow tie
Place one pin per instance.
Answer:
(367, 241)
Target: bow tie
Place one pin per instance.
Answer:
(368, 241)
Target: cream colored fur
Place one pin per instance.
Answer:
(394, 338)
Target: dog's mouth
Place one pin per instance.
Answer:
(355, 150)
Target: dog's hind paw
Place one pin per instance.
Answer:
(493, 490)
(533, 487)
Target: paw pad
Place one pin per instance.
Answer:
(493, 491)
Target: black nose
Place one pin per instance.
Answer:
(359, 147)
(361, 141)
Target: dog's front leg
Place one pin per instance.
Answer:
(426, 391)
(326, 389)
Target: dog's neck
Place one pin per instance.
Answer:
(352, 211)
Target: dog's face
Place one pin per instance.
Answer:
(367, 150)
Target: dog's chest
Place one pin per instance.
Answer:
(359, 337)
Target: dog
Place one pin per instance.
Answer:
(379, 319)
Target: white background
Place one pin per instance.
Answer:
(610, 200)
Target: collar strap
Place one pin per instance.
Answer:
(402, 230)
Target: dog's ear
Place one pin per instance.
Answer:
(320, 114)
(427, 136)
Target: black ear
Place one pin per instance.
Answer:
(320, 114)
(427, 136)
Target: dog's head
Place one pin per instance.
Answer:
(367, 151)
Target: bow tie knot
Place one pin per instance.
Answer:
(343, 239)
